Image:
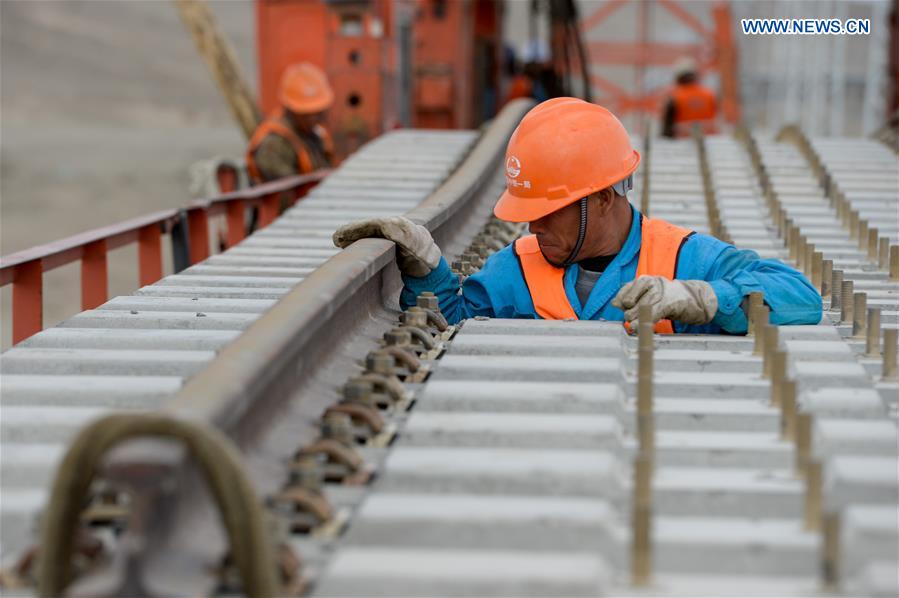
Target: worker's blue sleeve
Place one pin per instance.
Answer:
(790, 296)
(734, 273)
(444, 283)
(497, 290)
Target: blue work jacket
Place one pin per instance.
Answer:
(499, 290)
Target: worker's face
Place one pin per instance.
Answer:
(557, 232)
(306, 122)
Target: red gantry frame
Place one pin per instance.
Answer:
(188, 227)
(714, 51)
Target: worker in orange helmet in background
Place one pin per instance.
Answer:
(294, 140)
(690, 102)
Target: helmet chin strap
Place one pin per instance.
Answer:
(581, 235)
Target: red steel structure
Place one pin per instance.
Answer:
(391, 63)
(346, 40)
(456, 61)
(25, 269)
(714, 50)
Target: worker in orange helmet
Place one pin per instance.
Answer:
(690, 103)
(591, 255)
(294, 140)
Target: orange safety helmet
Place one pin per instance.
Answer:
(305, 89)
(563, 150)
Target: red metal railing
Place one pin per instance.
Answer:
(25, 269)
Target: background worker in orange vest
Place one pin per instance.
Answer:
(592, 256)
(690, 102)
(294, 140)
(520, 85)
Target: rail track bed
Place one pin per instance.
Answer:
(404, 457)
(135, 352)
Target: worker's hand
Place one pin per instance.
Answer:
(416, 252)
(687, 301)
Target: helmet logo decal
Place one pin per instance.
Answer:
(513, 167)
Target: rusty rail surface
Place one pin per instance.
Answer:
(189, 230)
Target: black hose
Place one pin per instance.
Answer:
(581, 235)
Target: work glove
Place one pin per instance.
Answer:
(416, 252)
(687, 301)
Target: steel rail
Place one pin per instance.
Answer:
(136, 351)
(245, 388)
(266, 355)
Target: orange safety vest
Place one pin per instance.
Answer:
(519, 87)
(275, 125)
(660, 245)
(693, 103)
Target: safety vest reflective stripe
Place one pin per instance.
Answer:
(660, 246)
(274, 125)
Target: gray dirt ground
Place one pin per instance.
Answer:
(103, 106)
